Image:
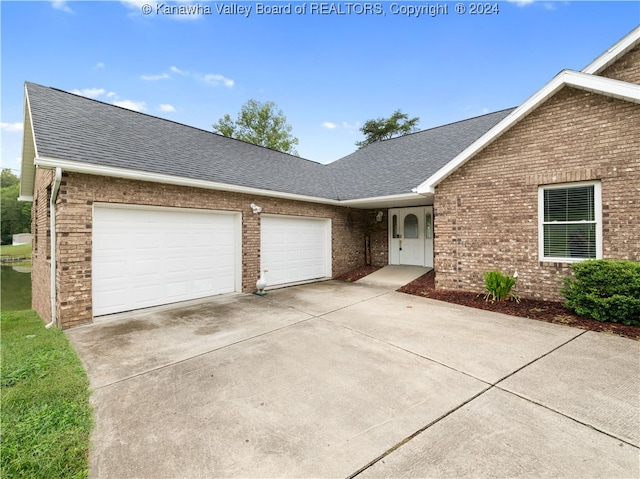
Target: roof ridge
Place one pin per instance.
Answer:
(168, 120)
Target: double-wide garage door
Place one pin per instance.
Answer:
(295, 249)
(144, 256)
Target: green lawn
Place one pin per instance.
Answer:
(46, 416)
(18, 250)
(15, 289)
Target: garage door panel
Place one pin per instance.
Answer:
(295, 249)
(149, 256)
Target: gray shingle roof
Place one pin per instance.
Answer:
(398, 165)
(71, 127)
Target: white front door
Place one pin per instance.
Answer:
(411, 236)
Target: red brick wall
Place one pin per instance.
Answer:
(78, 192)
(487, 214)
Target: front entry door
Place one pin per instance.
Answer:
(411, 236)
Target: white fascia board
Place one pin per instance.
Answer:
(604, 86)
(613, 53)
(390, 201)
(601, 85)
(110, 171)
(29, 152)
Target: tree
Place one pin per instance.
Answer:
(261, 124)
(7, 178)
(15, 216)
(380, 129)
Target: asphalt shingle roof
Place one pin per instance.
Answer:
(71, 127)
(398, 165)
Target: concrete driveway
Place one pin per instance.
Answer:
(339, 379)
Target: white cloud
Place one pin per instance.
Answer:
(214, 79)
(17, 126)
(177, 70)
(98, 92)
(99, 66)
(167, 107)
(161, 76)
(90, 92)
(351, 126)
(210, 78)
(521, 3)
(61, 5)
(344, 125)
(134, 4)
(131, 105)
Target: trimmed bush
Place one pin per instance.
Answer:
(499, 286)
(605, 290)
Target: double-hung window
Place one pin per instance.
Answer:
(570, 222)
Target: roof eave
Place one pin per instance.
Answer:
(613, 53)
(389, 201)
(114, 172)
(600, 85)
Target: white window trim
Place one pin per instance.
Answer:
(597, 197)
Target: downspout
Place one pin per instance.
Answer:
(52, 209)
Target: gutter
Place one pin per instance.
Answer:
(52, 207)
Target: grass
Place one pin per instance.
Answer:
(15, 289)
(17, 250)
(46, 416)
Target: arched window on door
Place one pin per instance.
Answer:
(411, 226)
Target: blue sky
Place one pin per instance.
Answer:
(328, 72)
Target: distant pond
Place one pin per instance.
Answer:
(16, 288)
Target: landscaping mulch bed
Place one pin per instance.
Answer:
(550, 312)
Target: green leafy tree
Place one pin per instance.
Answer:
(261, 124)
(7, 178)
(398, 124)
(15, 216)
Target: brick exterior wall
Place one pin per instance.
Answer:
(41, 245)
(487, 211)
(626, 68)
(378, 237)
(78, 193)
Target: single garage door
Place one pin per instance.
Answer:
(144, 256)
(295, 249)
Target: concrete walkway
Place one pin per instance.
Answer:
(394, 276)
(350, 380)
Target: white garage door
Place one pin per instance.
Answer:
(295, 249)
(145, 256)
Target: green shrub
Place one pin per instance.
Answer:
(605, 290)
(499, 286)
